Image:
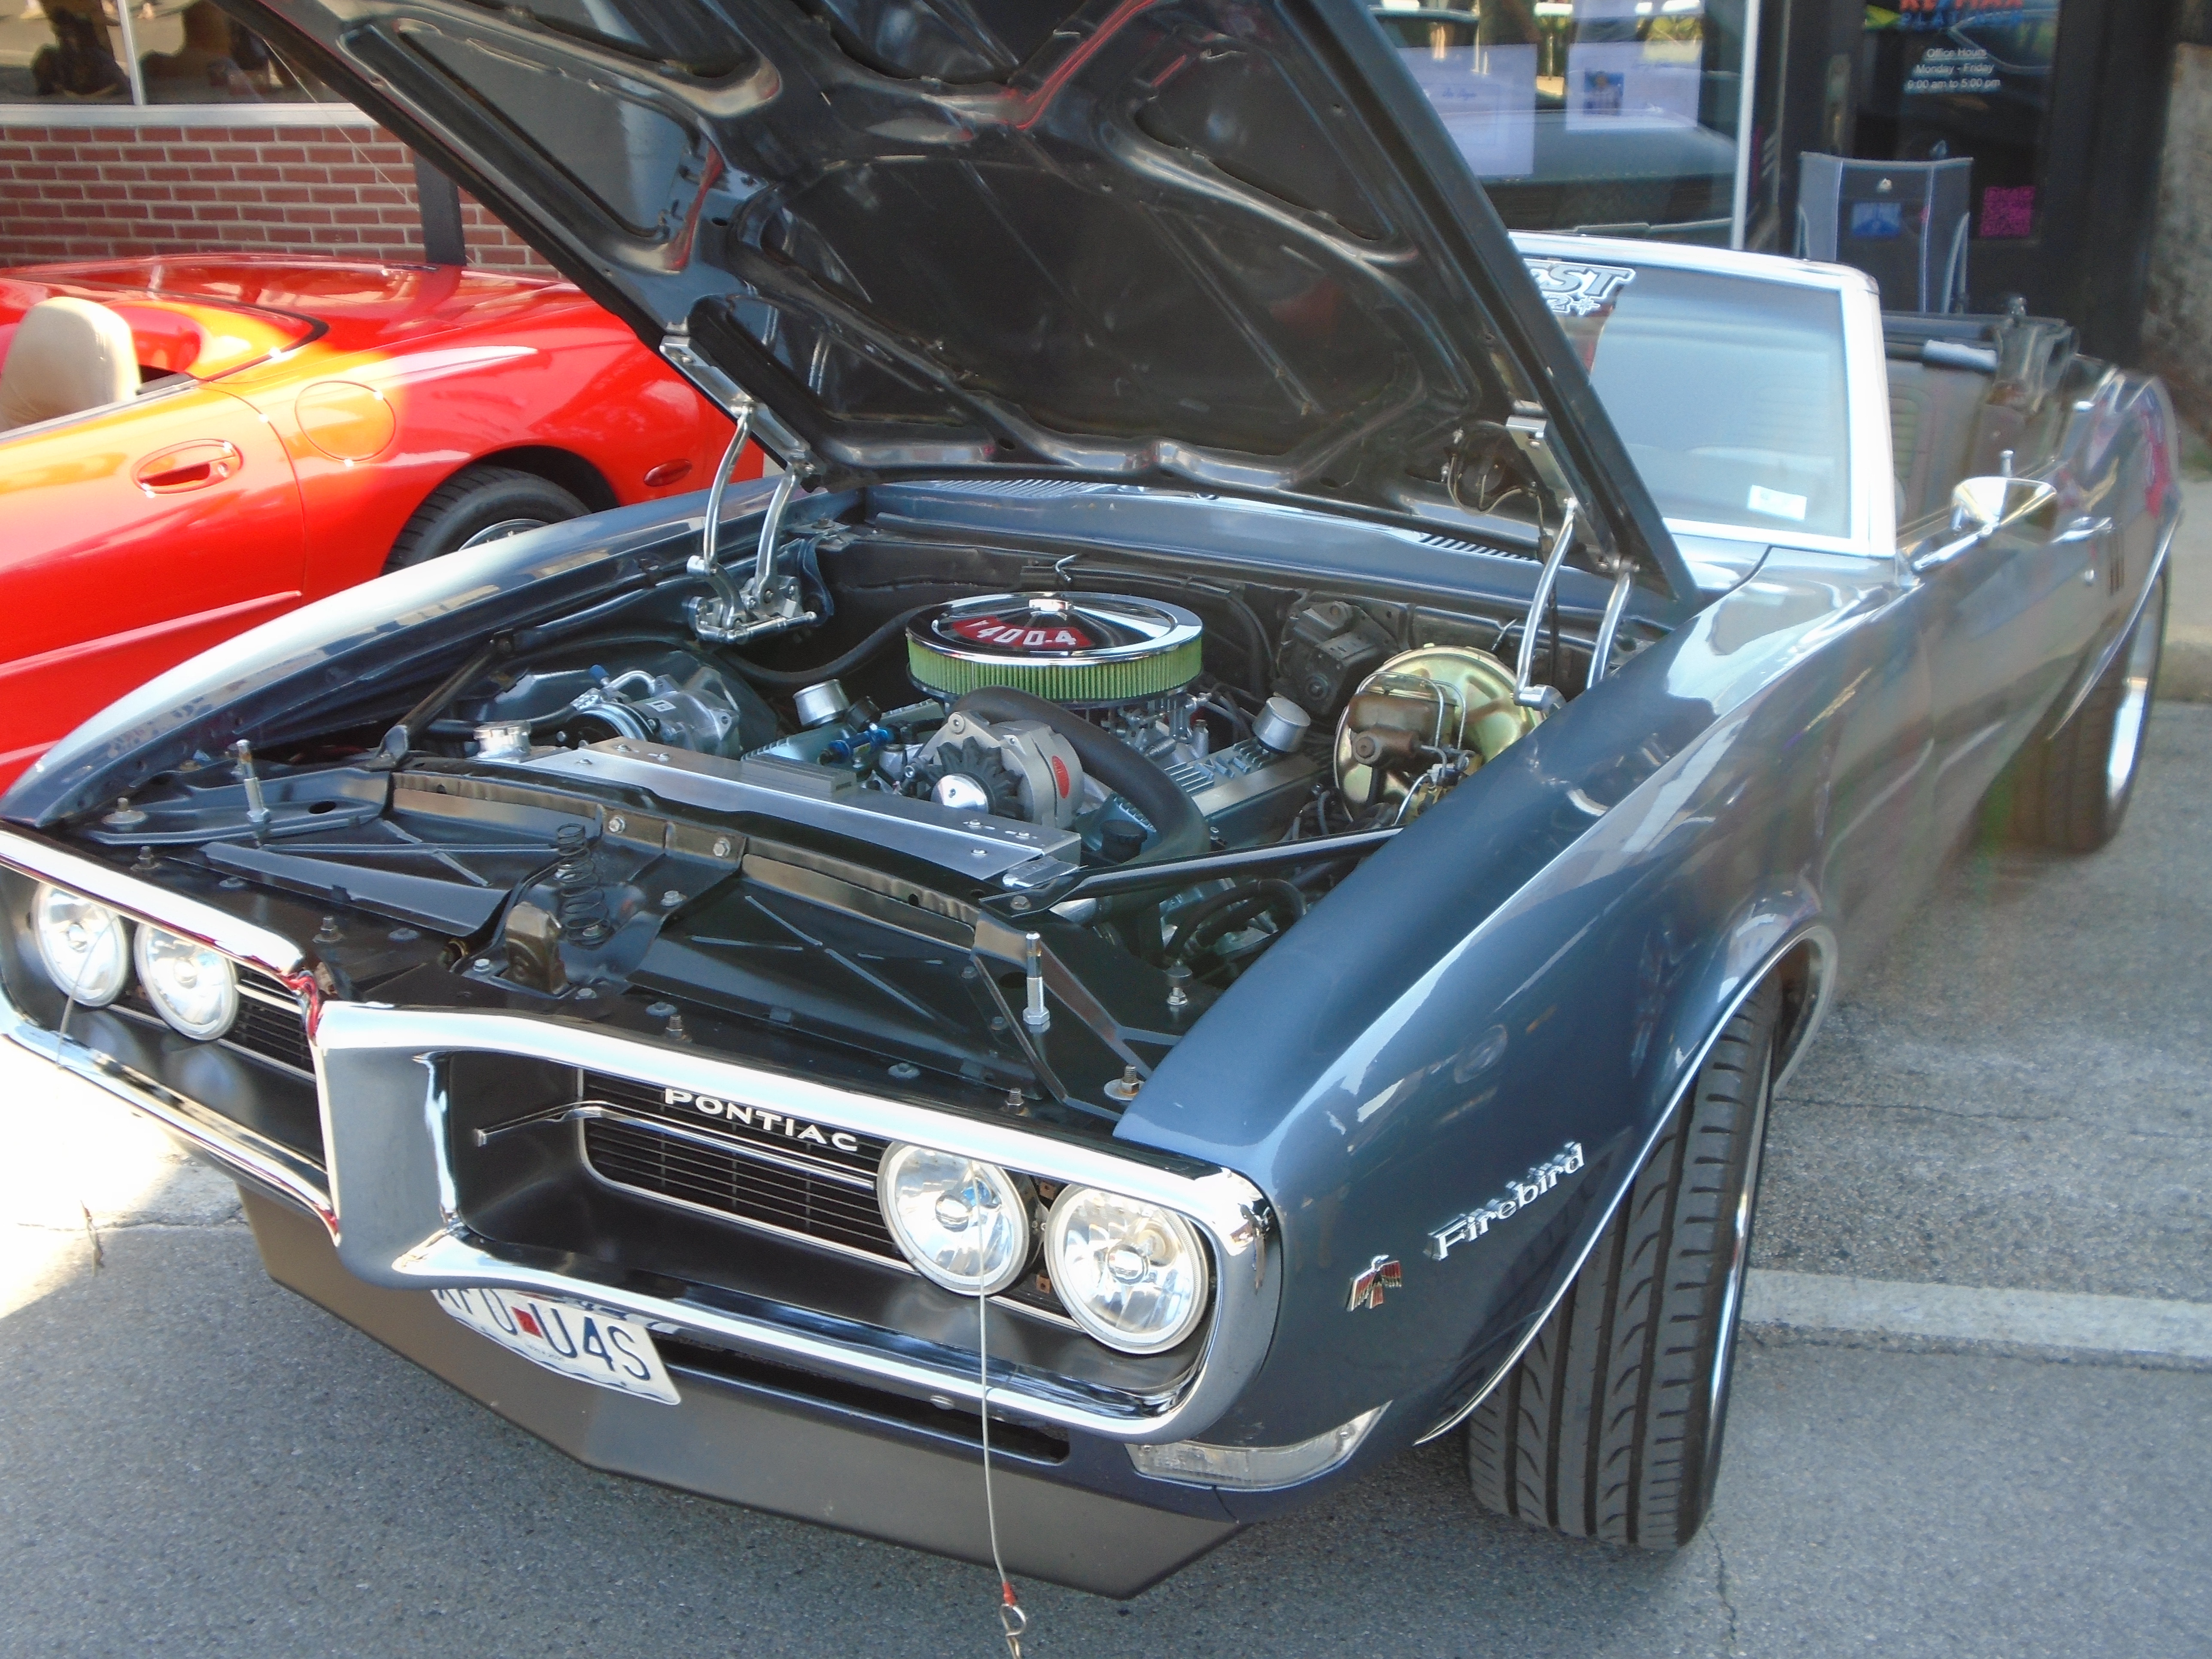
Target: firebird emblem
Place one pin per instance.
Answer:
(1383, 1274)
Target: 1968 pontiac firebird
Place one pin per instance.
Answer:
(1224, 867)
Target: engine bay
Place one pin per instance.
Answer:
(1003, 818)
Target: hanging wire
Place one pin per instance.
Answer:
(70, 1004)
(1011, 1619)
(359, 153)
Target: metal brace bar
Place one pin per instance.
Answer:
(1608, 628)
(1545, 698)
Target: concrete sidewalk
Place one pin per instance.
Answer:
(2187, 670)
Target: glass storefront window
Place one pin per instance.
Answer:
(1941, 79)
(56, 52)
(1590, 114)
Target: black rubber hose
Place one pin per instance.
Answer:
(797, 679)
(1201, 923)
(1178, 832)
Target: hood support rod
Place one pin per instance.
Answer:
(1546, 699)
(766, 604)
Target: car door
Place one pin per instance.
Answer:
(134, 538)
(2012, 617)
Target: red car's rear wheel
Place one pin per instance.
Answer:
(476, 505)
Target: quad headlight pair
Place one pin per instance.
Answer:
(89, 951)
(1132, 1274)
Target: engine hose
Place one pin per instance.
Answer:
(1178, 831)
(1203, 922)
(797, 679)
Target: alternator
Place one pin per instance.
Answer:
(1021, 769)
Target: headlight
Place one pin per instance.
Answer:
(194, 988)
(963, 1223)
(1132, 1273)
(86, 946)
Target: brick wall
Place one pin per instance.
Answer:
(90, 192)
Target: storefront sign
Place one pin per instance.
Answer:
(1934, 15)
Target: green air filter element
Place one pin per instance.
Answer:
(1085, 649)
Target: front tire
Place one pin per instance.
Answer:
(2070, 790)
(1609, 1425)
(479, 504)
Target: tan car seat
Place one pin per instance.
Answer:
(68, 355)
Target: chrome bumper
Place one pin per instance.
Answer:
(1085, 1520)
(387, 1192)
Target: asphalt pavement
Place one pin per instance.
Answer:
(194, 1461)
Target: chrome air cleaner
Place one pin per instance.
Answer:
(1085, 649)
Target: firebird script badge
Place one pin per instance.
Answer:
(1383, 1274)
(1518, 1196)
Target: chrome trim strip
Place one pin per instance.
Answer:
(274, 1168)
(289, 1005)
(1693, 256)
(176, 913)
(1824, 943)
(386, 1118)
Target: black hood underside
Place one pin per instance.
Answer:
(1213, 242)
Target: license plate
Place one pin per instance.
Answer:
(584, 1343)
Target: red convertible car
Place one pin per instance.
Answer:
(191, 447)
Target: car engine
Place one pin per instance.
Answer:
(1051, 732)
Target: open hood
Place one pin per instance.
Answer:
(1221, 243)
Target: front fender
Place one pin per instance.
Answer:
(1528, 977)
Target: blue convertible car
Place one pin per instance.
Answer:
(1211, 883)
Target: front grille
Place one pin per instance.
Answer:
(767, 1171)
(811, 1179)
(269, 1023)
(816, 1206)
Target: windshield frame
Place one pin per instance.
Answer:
(1872, 495)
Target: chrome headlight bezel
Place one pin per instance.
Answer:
(1178, 1230)
(69, 979)
(1010, 1206)
(155, 951)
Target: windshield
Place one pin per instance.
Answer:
(1729, 393)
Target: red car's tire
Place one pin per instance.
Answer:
(1609, 1425)
(480, 504)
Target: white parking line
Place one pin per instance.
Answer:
(2119, 1326)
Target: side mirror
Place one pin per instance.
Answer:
(1986, 505)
